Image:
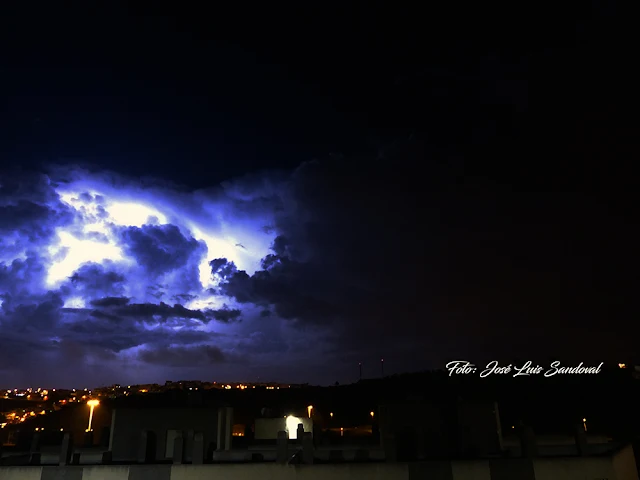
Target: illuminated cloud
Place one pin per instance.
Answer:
(275, 275)
(102, 268)
(115, 273)
(69, 254)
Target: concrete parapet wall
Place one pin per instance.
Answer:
(20, 473)
(104, 472)
(620, 466)
(298, 472)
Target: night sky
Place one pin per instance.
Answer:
(279, 193)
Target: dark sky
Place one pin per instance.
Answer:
(369, 181)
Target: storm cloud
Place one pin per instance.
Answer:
(106, 269)
(110, 302)
(183, 357)
(161, 249)
(318, 267)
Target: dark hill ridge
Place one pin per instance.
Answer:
(551, 405)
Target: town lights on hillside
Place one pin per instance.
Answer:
(309, 409)
(92, 404)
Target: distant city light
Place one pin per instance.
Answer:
(309, 409)
(622, 365)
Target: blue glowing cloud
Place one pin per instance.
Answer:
(106, 279)
(112, 272)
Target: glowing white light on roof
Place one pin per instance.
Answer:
(292, 426)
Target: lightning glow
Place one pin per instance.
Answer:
(70, 253)
(137, 214)
(216, 248)
(74, 302)
(203, 303)
(75, 253)
(102, 254)
(134, 214)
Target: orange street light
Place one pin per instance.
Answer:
(309, 408)
(92, 404)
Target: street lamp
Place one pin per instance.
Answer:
(309, 408)
(371, 413)
(92, 404)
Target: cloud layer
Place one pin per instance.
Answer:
(294, 276)
(98, 272)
